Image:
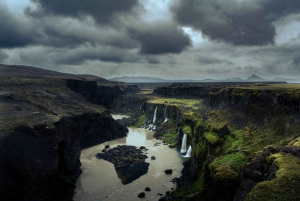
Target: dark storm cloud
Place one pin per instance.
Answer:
(234, 21)
(203, 60)
(160, 38)
(103, 11)
(68, 32)
(15, 32)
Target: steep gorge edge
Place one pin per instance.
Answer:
(45, 120)
(257, 132)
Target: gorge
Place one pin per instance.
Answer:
(236, 140)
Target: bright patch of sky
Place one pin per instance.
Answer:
(156, 10)
(195, 36)
(17, 6)
(287, 29)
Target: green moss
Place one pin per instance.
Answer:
(187, 103)
(224, 172)
(199, 122)
(233, 143)
(211, 137)
(187, 129)
(140, 121)
(285, 186)
(168, 137)
(237, 133)
(190, 115)
(229, 140)
(274, 132)
(295, 142)
(236, 160)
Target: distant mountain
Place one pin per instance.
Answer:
(288, 80)
(235, 79)
(255, 78)
(142, 79)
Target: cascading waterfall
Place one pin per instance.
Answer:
(166, 114)
(154, 117)
(189, 152)
(183, 145)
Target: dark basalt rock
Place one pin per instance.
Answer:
(141, 195)
(43, 126)
(147, 189)
(169, 171)
(129, 162)
(259, 170)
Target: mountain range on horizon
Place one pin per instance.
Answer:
(252, 78)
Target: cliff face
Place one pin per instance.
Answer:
(235, 96)
(43, 126)
(163, 112)
(184, 91)
(101, 94)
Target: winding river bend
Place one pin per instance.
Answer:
(99, 180)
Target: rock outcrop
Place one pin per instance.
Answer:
(99, 93)
(43, 126)
(185, 91)
(264, 95)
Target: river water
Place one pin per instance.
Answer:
(99, 180)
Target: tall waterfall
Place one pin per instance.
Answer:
(154, 117)
(183, 145)
(166, 114)
(189, 152)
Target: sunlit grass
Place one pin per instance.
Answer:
(188, 103)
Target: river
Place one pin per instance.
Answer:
(99, 180)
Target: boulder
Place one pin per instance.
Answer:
(141, 195)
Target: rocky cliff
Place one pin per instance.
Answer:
(100, 93)
(286, 96)
(245, 142)
(184, 91)
(43, 126)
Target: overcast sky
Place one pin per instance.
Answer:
(172, 39)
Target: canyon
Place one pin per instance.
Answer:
(242, 139)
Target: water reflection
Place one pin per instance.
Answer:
(99, 180)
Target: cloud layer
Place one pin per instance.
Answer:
(115, 38)
(103, 11)
(239, 22)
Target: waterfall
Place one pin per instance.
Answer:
(154, 117)
(183, 145)
(189, 152)
(166, 114)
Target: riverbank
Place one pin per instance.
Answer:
(45, 119)
(99, 180)
(240, 136)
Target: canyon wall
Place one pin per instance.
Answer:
(43, 127)
(235, 96)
